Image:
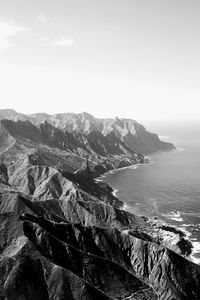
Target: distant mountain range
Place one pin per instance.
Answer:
(63, 142)
(63, 234)
(85, 135)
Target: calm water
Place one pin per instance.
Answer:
(168, 187)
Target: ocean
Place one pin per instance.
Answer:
(167, 188)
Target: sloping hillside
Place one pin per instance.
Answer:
(132, 134)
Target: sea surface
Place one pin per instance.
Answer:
(168, 187)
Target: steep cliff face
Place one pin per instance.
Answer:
(120, 133)
(54, 147)
(128, 131)
(45, 134)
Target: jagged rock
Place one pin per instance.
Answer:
(101, 273)
(28, 275)
(84, 172)
(111, 135)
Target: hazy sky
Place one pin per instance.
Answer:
(126, 58)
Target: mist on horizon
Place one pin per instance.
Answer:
(129, 59)
(176, 129)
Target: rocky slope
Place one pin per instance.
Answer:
(54, 147)
(114, 135)
(130, 132)
(65, 236)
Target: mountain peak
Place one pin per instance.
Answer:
(131, 133)
(8, 110)
(87, 115)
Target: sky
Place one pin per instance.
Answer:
(136, 59)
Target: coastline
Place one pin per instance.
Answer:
(133, 166)
(175, 236)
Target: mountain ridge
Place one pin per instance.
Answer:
(128, 131)
(20, 138)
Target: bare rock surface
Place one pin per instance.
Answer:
(102, 136)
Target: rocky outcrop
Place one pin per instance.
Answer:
(84, 172)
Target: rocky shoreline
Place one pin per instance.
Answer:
(160, 231)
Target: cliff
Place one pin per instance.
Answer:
(117, 135)
(46, 144)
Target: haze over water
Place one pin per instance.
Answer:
(168, 187)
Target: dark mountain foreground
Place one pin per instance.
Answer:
(70, 239)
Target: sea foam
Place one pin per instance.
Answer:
(114, 192)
